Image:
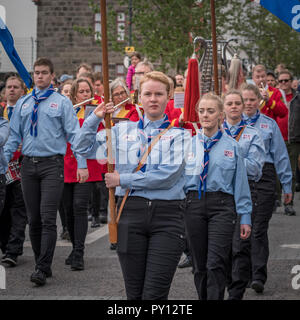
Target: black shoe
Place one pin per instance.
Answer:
(103, 219)
(297, 187)
(90, 217)
(95, 222)
(65, 235)
(10, 260)
(77, 263)
(257, 286)
(48, 274)
(113, 246)
(186, 263)
(38, 277)
(69, 260)
(289, 210)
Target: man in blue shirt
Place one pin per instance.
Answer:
(44, 121)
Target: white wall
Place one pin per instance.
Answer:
(21, 20)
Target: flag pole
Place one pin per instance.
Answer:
(214, 43)
(112, 225)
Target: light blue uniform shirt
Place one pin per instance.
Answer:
(253, 150)
(164, 175)
(275, 148)
(57, 123)
(4, 133)
(226, 172)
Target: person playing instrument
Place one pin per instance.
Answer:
(150, 229)
(14, 212)
(276, 162)
(253, 151)
(44, 120)
(272, 104)
(217, 190)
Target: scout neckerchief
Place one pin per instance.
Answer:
(207, 149)
(146, 140)
(241, 125)
(251, 122)
(34, 116)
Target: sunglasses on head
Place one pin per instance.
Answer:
(284, 80)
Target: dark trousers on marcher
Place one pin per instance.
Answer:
(15, 207)
(150, 244)
(76, 198)
(210, 224)
(266, 187)
(240, 271)
(5, 220)
(42, 185)
(98, 199)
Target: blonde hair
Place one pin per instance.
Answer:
(259, 68)
(211, 96)
(233, 91)
(156, 76)
(253, 88)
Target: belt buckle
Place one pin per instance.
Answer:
(34, 160)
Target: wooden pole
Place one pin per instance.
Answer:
(214, 43)
(112, 225)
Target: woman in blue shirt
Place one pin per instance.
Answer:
(217, 190)
(151, 228)
(276, 162)
(253, 152)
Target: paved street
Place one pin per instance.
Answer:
(102, 278)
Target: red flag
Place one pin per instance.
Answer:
(192, 91)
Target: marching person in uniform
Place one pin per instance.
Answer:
(44, 121)
(150, 229)
(217, 190)
(276, 162)
(14, 206)
(253, 151)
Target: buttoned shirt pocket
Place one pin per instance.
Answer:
(226, 167)
(53, 110)
(26, 110)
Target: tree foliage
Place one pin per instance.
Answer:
(163, 31)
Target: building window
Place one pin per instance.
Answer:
(120, 70)
(98, 26)
(121, 26)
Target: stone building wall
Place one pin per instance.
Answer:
(67, 48)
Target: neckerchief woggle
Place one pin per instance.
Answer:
(252, 122)
(207, 148)
(241, 125)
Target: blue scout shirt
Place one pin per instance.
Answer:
(226, 172)
(57, 124)
(275, 148)
(163, 178)
(4, 133)
(253, 150)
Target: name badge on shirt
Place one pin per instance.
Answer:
(166, 137)
(228, 153)
(129, 137)
(25, 106)
(246, 136)
(54, 106)
(264, 126)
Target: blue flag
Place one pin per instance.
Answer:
(286, 10)
(8, 45)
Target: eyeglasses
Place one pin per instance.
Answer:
(118, 94)
(284, 80)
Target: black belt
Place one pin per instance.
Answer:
(193, 194)
(40, 159)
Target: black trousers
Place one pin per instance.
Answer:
(98, 199)
(210, 224)
(76, 198)
(42, 185)
(14, 207)
(240, 269)
(266, 195)
(150, 244)
(5, 220)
